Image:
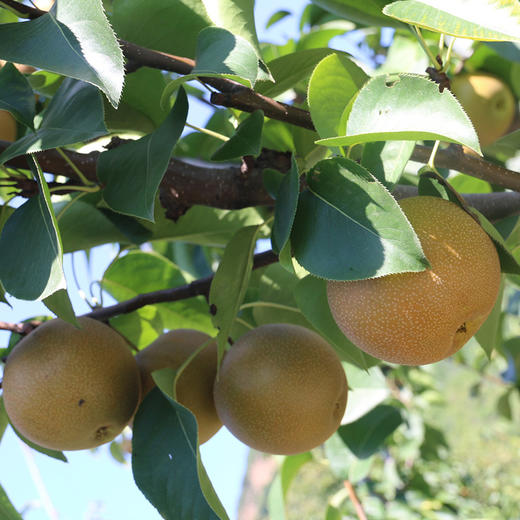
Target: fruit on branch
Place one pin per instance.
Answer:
(489, 103)
(281, 389)
(421, 317)
(69, 388)
(8, 129)
(195, 384)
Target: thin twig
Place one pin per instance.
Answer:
(355, 501)
(198, 287)
(20, 328)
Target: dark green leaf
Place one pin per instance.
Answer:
(285, 207)
(272, 179)
(230, 282)
(508, 263)
(245, 141)
(346, 201)
(74, 114)
(32, 266)
(75, 40)
(220, 53)
(16, 95)
(7, 510)
(311, 297)
(144, 162)
(365, 436)
(166, 461)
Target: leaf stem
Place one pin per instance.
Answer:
(85, 189)
(431, 160)
(269, 304)
(208, 132)
(447, 59)
(76, 170)
(425, 47)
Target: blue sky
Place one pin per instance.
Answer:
(93, 486)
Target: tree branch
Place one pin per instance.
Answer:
(235, 95)
(198, 287)
(20, 328)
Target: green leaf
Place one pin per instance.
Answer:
(74, 114)
(83, 226)
(367, 389)
(334, 82)
(166, 461)
(405, 107)
(223, 54)
(504, 405)
(489, 335)
(274, 301)
(278, 490)
(508, 263)
(237, 16)
(276, 17)
(489, 20)
(368, 12)
(7, 510)
(140, 106)
(311, 297)
(59, 303)
(285, 207)
(32, 266)
(4, 420)
(53, 454)
(292, 68)
(230, 282)
(16, 95)
(204, 225)
(386, 160)
(245, 141)
(144, 161)
(140, 327)
(365, 436)
(139, 272)
(99, 45)
(320, 36)
(74, 40)
(346, 201)
(136, 21)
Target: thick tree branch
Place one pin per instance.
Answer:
(20, 328)
(235, 187)
(233, 94)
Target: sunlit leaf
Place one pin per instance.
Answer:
(491, 20)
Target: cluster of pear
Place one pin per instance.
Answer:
(281, 388)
